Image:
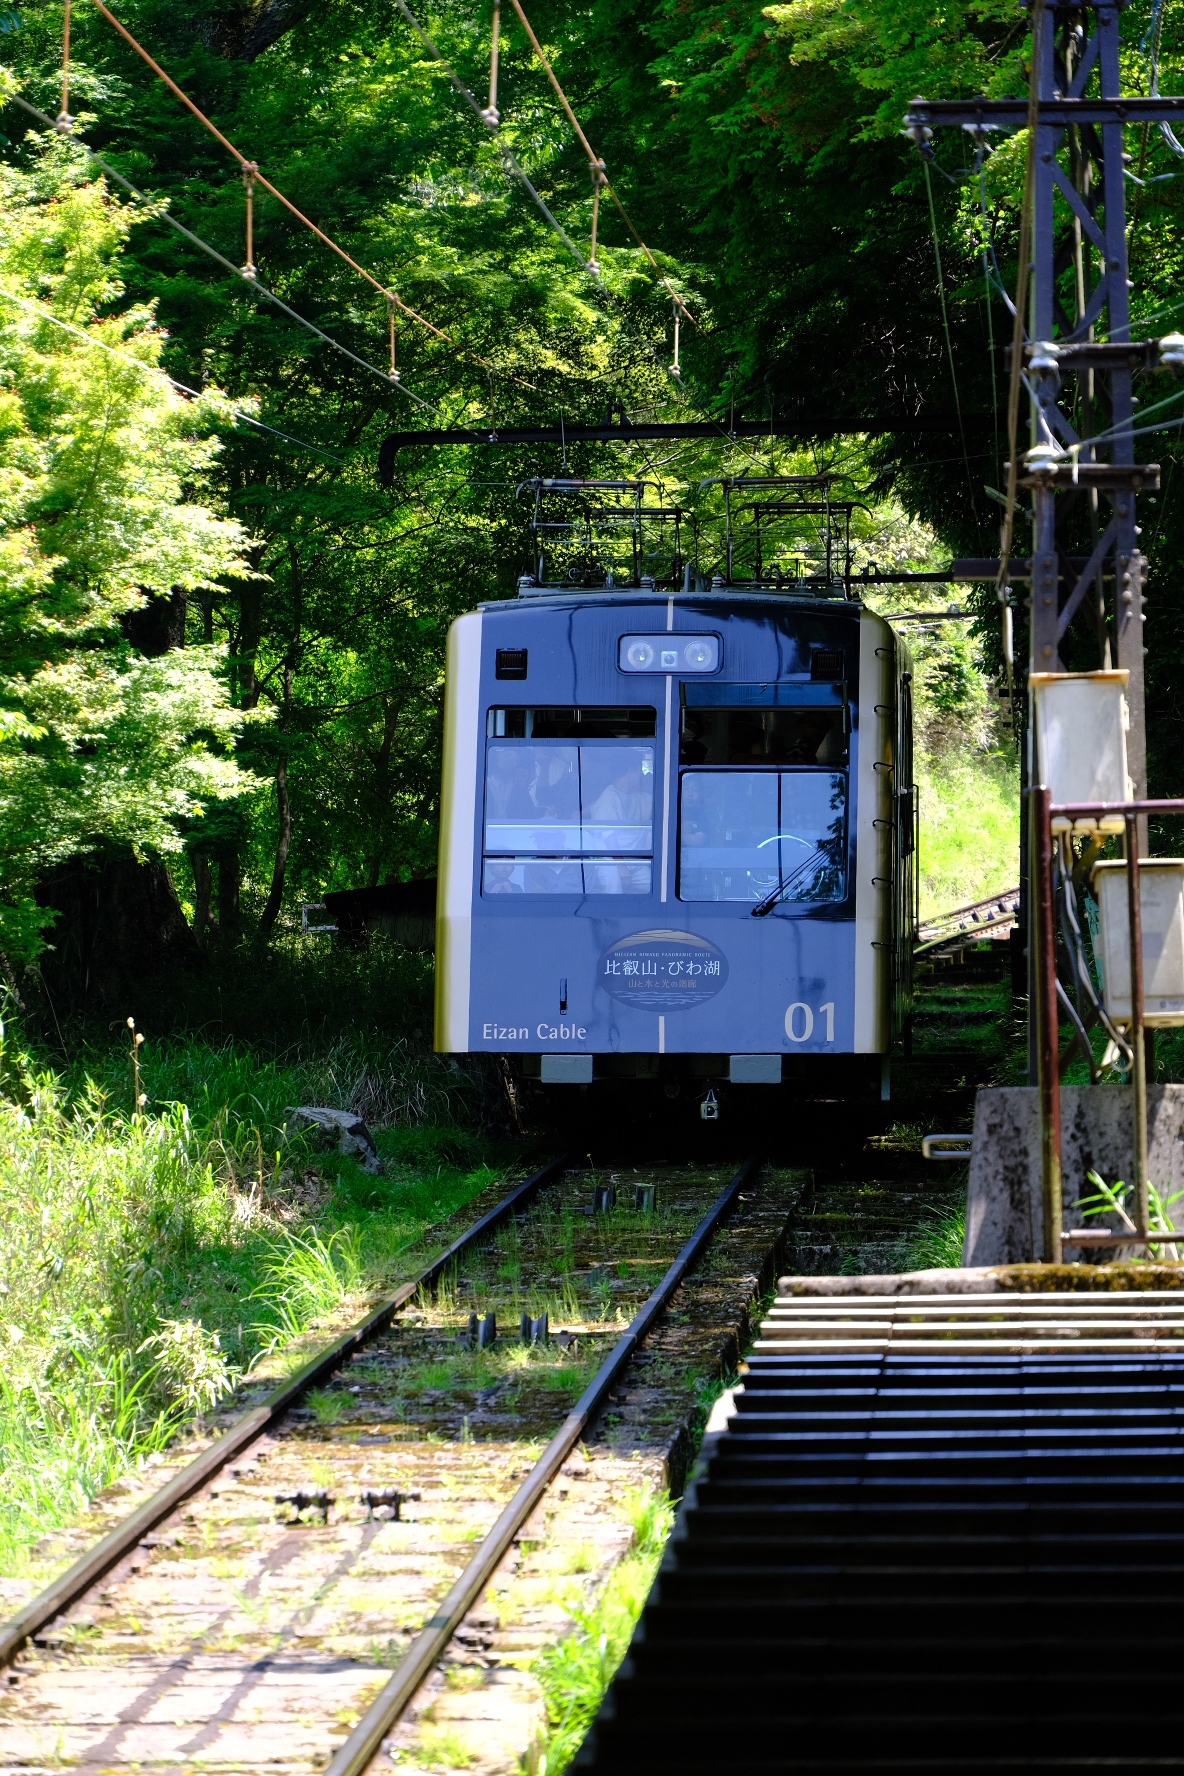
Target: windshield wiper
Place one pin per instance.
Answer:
(765, 906)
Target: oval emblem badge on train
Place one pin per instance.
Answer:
(662, 970)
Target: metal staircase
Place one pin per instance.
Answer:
(929, 1533)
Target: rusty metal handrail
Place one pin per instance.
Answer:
(1044, 811)
(1095, 810)
(1106, 1236)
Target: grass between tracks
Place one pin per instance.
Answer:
(150, 1254)
(577, 1671)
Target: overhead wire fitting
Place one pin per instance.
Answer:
(594, 159)
(491, 115)
(249, 170)
(945, 322)
(64, 123)
(256, 175)
(596, 168)
(253, 284)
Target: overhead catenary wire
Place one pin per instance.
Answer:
(945, 323)
(183, 388)
(515, 170)
(252, 284)
(509, 160)
(594, 159)
(489, 116)
(252, 166)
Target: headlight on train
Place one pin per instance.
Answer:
(669, 653)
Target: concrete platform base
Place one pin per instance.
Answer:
(1004, 1220)
(1003, 1279)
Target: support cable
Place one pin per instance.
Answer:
(183, 388)
(252, 284)
(1083, 984)
(996, 275)
(1152, 36)
(945, 323)
(980, 162)
(594, 158)
(244, 163)
(1127, 431)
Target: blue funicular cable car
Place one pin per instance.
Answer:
(678, 818)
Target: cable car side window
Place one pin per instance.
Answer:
(744, 835)
(563, 818)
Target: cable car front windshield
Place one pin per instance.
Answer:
(745, 835)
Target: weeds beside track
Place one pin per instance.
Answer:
(311, 1604)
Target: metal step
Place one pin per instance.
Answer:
(939, 1535)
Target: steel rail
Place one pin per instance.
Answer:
(966, 935)
(365, 1741)
(928, 928)
(120, 1541)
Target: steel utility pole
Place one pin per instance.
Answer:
(1079, 359)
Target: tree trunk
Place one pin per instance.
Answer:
(245, 31)
(202, 883)
(230, 918)
(382, 771)
(119, 920)
(158, 626)
(246, 649)
(119, 923)
(283, 844)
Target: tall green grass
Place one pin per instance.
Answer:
(576, 1673)
(938, 1238)
(149, 1256)
(969, 828)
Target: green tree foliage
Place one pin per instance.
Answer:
(756, 148)
(102, 460)
(341, 636)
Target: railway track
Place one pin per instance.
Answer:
(283, 1598)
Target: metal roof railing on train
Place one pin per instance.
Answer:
(821, 506)
(595, 526)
